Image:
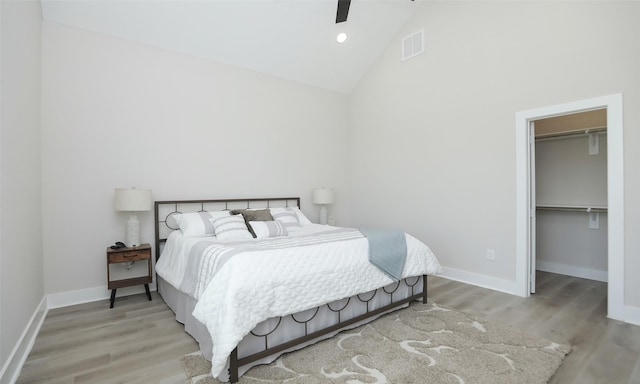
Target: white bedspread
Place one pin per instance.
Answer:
(250, 287)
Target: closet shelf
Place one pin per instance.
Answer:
(565, 134)
(572, 208)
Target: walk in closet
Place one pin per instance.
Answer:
(571, 194)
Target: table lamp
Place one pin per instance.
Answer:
(133, 200)
(323, 196)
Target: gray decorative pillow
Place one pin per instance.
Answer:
(287, 217)
(264, 229)
(230, 228)
(253, 215)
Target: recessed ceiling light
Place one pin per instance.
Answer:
(342, 37)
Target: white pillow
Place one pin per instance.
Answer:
(264, 229)
(287, 217)
(302, 219)
(198, 223)
(231, 228)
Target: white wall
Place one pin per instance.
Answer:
(119, 114)
(433, 138)
(21, 269)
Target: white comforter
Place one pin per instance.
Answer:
(250, 287)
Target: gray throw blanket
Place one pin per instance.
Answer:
(387, 250)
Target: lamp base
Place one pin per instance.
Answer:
(323, 214)
(133, 232)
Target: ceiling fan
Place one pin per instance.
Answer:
(343, 10)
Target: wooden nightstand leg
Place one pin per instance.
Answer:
(113, 297)
(146, 288)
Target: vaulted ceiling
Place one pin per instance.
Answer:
(290, 39)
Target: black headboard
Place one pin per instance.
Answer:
(164, 209)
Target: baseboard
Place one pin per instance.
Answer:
(484, 281)
(570, 270)
(632, 315)
(88, 295)
(11, 369)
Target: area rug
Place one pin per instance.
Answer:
(424, 343)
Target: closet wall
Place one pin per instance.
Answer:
(571, 195)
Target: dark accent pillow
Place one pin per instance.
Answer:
(253, 215)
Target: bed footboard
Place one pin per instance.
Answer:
(235, 362)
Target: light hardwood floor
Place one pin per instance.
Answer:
(139, 341)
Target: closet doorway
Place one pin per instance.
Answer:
(526, 201)
(570, 178)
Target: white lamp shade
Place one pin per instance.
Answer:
(133, 199)
(323, 196)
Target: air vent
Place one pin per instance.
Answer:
(413, 45)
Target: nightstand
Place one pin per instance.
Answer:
(124, 255)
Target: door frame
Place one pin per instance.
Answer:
(615, 194)
(531, 132)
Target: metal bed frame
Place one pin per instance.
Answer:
(235, 362)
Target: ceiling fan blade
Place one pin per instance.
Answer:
(343, 10)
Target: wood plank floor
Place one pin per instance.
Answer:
(139, 341)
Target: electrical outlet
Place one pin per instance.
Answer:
(491, 254)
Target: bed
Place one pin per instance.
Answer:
(248, 300)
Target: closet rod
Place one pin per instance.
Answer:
(571, 209)
(577, 132)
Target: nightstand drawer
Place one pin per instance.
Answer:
(122, 257)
